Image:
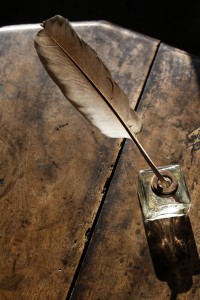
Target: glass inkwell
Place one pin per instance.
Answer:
(162, 191)
(159, 200)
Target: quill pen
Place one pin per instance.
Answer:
(87, 83)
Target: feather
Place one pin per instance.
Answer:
(84, 79)
(87, 83)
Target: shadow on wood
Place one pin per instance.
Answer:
(173, 252)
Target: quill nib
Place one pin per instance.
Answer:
(87, 83)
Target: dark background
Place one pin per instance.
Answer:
(176, 23)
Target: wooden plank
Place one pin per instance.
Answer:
(53, 164)
(122, 261)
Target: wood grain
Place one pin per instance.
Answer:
(130, 260)
(53, 164)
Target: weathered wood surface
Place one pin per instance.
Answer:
(53, 164)
(122, 262)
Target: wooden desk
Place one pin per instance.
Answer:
(70, 219)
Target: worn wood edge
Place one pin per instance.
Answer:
(91, 23)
